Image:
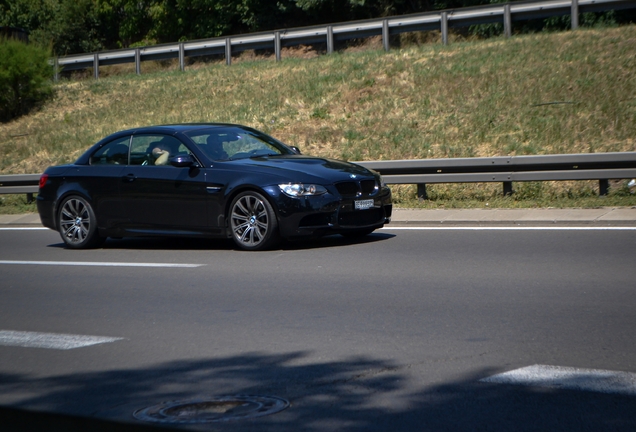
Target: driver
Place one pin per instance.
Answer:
(214, 148)
(160, 151)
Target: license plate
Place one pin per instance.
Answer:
(363, 204)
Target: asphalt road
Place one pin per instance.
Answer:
(391, 333)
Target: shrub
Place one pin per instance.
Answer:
(25, 78)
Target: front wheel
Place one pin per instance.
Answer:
(253, 222)
(77, 224)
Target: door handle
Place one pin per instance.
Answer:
(130, 177)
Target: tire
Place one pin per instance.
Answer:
(357, 233)
(77, 224)
(253, 222)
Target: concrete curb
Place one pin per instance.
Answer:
(20, 220)
(611, 216)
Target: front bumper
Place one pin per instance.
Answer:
(329, 213)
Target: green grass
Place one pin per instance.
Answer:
(548, 93)
(583, 194)
(16, 204)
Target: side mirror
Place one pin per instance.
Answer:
(182, 161)
(295, 150)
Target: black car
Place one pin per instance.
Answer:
(208, 180)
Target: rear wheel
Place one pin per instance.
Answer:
(77, 224)
(253, 222)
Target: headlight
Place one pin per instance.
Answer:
(299, 189)
(379, 177)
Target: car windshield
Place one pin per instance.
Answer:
(230, 143)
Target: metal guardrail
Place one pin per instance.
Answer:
(509, 169)
(501, 169)
(504, 13)
(20, 184)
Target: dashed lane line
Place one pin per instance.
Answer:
(23, 228)
(59, 341)
(100, 264)
(568, 378)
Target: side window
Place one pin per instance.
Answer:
(113, 153)
(155, 150)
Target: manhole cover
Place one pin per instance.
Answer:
(208, 410)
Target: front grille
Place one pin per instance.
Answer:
(347, 189)
(361, 217)
(351, 189)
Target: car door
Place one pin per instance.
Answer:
(158, 196)
(100, 181)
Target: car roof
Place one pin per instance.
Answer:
(176, 128)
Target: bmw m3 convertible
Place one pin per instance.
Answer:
(208, 180)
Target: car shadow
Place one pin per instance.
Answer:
(185, 243)
(159, 243)
(334, 241)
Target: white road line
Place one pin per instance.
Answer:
(595, 380)
(50, 340)
(23, 229)
(100, 264)
(474, 228)
(510, 228)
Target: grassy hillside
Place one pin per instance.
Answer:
(572, 92)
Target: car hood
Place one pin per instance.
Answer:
(313, 168)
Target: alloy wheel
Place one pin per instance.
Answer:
(77, 223)
(252, 221)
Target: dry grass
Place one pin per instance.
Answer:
(572, 92)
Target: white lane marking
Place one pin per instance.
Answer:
(509, 228)
(475, 228)
(99, 264)
(595, 380)
(23, 229)
(50, 340)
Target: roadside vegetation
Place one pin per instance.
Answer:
(25, 78)
(547, 93)
(83, 26)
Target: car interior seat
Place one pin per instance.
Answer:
(214, 147)
(118, 154)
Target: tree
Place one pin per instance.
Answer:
(25, 77)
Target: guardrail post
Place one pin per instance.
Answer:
(421, 191)
(444, 23)
(138, 61)
(330, 46)
(277, 45)
(96, 65)
(507, 20)
(228, 51)
(385, 35)
(507, 188)
(56, 72)
(182, 56)
(603, 187)
(575, 14)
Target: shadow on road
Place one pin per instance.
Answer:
(360, 394)
(182, 243)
